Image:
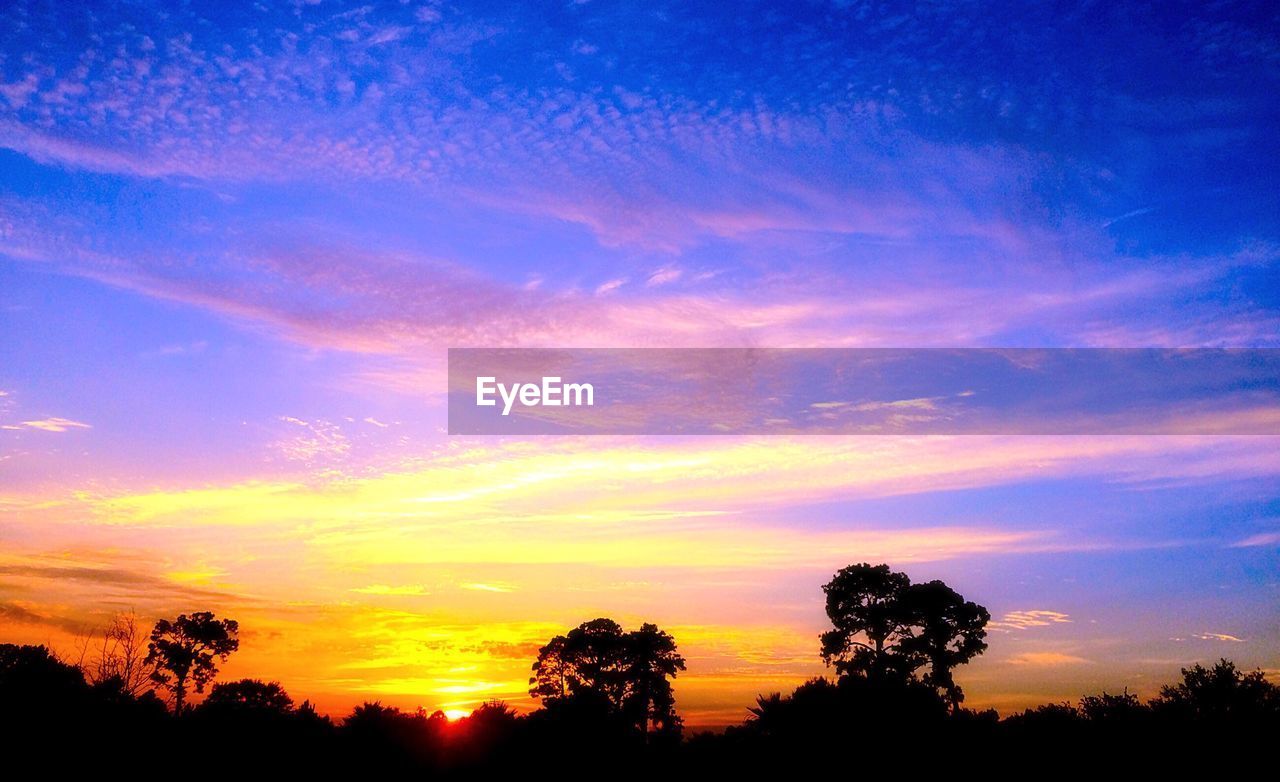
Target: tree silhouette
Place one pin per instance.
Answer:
(622, 674)
(492, 712)
(185, 652)
(249, 696)
(943, 630)
(33, 680)
(652, 660)
(1220, 693)
(864, 603)
(1122, 708)
(587, 662)
(885, 628)
(118, 660)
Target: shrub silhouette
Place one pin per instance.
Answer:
(249, 697)
(1116, 709)
(1220, 694)
(36, 686)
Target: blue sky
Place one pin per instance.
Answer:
(236, 242)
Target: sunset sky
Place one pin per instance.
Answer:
(236, 241)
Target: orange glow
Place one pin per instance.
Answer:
(433, 584)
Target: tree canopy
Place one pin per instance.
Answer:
(886, 628)
(1220, 693)
(185, 652)
(250, 696)
(626, 675)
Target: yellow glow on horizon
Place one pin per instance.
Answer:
(352, 587)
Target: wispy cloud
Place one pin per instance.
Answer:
(319, 440)
(396, 590)
(55, 424)
(610, 286)
(478, 587)
(1218, 637)
(664, 276)
(1260, 539)
(1047, 659)
(1023, 620)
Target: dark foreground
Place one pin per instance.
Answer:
(52, 718)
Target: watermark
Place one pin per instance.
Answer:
(725, 391)
(550, 392)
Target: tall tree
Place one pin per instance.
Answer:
(652, 660)
(552, 671)
(884, 627)
(586, 662)
(185, 652)
(864, 603)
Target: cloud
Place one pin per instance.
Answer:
(1047, 659)
(55, 424)
(346, 297)
(1260, 539)
(21, 614)
(1023, 620)
(1218, 637)
(610, 286)
(477, 587)
(321, 440)
(509, 650)
(624, 477)
(185, 349)
(384, 589)
(652, 164)
(106, 579)
(664, 276)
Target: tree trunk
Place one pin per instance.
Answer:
(179, 693)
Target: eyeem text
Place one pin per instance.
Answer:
(550, 393)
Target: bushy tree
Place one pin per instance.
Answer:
(887, 629)
(249, 696)
(864, 604)
(35, 684)
(625, 675)
(1107, 707)
(1220, 693)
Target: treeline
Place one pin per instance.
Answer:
(607, 707)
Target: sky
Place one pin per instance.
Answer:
(237, 240)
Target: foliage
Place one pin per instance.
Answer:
(185, 652)
(1220, 693)
(607, 706)
(885, 628)
(624, 676)
(249, 696)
